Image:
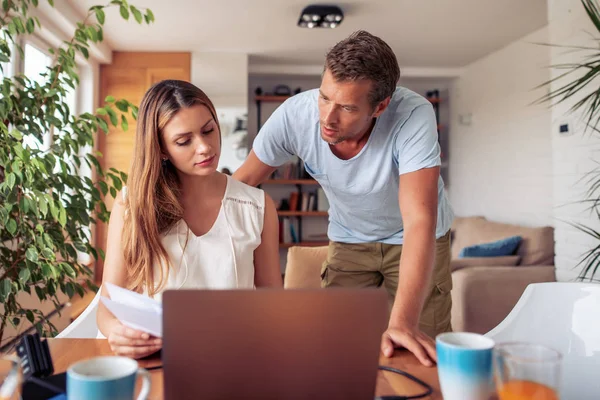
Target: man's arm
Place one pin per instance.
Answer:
(253, 172)
(418, 198)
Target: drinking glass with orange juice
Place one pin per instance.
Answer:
(526, 371)
(11, 378)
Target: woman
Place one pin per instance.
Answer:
(180, 223)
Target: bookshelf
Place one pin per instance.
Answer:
(301, 197)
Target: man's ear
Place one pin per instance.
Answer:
(382, 106)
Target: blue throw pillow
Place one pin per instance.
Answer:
(499, 248)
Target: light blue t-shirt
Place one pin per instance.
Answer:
(362, 191)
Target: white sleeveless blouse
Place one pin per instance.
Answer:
(222, 258)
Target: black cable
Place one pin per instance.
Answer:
(425, 385)
(153, 368)
(46, 385)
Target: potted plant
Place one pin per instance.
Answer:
(47, 208)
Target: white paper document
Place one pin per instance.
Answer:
(134, 310)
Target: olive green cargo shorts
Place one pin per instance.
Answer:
(377, 265)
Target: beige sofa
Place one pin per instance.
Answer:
(485, 289)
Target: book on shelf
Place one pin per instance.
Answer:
(288, 230)
(322, 202)
(301, 201)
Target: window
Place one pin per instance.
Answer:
(6, 67)
(35, 64)
(5, 70)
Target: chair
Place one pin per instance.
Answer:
(566, 317)
(84, 326)
(303, 267)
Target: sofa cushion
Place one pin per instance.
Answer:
(536, 248)
(505, 261)
(303, 268)
(499, 248)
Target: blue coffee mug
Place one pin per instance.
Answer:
(464, 362)
(106, 378)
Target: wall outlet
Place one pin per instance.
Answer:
(565, 127)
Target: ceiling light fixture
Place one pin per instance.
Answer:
(320, 16)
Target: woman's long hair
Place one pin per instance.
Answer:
(152, 202)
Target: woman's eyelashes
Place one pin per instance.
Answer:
(188, 140)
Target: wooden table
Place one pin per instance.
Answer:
(67, 351)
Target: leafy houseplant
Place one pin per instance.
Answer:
(46, 206)
(583, 89)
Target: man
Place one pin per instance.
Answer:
(373, 148)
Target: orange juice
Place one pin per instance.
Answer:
(526, 390)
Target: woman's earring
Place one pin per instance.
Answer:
(164, 162)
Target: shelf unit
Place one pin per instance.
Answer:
(299, 184)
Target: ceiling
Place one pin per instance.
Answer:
(423, 33)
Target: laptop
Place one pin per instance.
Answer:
(272, 343)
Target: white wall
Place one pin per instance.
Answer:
(501, 164)
(224, 78)
(574, 154)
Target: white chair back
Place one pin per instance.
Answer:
(84, 326)
(566, 317)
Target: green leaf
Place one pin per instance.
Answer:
(40, 293)
(124, 124)
(16, 134)
(24, 275)
(103, 187)
(100, 16)
(11, 226)
(28, 313)
(122, 105)
(30, 25)
(70, 289)
(68, 270)
(24, 205)
(113, 116)
(124, 12)
(32, 254)
(150, 15)
(47, 271)
(101, 111)
(43, 205)
(53, 210)
(103, 125)
(109, 99)
(62, 217)
(10, 180)
(47, 253)
(92, 34)
(136, 14)
(5, 288)
(83, 51)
